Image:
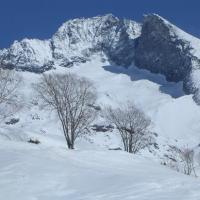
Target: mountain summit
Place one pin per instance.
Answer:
(166, 49)
(156, 45)
(75, 42)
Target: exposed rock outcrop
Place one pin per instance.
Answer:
(164, 48)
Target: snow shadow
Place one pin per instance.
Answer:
(173, 89)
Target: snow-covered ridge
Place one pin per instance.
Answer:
(74, 42)
(77, 39)
(160, 47)
(193, 41)
(28, 54)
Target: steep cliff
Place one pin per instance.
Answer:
(164, 48)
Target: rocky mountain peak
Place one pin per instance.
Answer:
(29, 54)
(156, 45)
(166, 49)
(75, 42)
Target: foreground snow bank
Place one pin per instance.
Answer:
(33, 172)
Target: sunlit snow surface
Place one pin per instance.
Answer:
(92, 172)
(31, 172)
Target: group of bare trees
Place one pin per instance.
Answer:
(73, 99)
(70, 96)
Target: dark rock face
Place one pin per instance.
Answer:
(162, 49)
(191, 82)
(161, 52)
(102, 128)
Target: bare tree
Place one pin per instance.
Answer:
(132, 125)
(183, 159)
(9, 84)
(72, 98)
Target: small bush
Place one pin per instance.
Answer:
(181, 159)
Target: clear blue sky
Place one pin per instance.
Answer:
(41, 18)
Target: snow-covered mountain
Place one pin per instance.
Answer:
(75, 42)
(160, 47)
(94, 48)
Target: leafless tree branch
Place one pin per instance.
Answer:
(69, 95)
(132, 125)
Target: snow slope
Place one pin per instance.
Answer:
(49, 171)
(30, 172)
